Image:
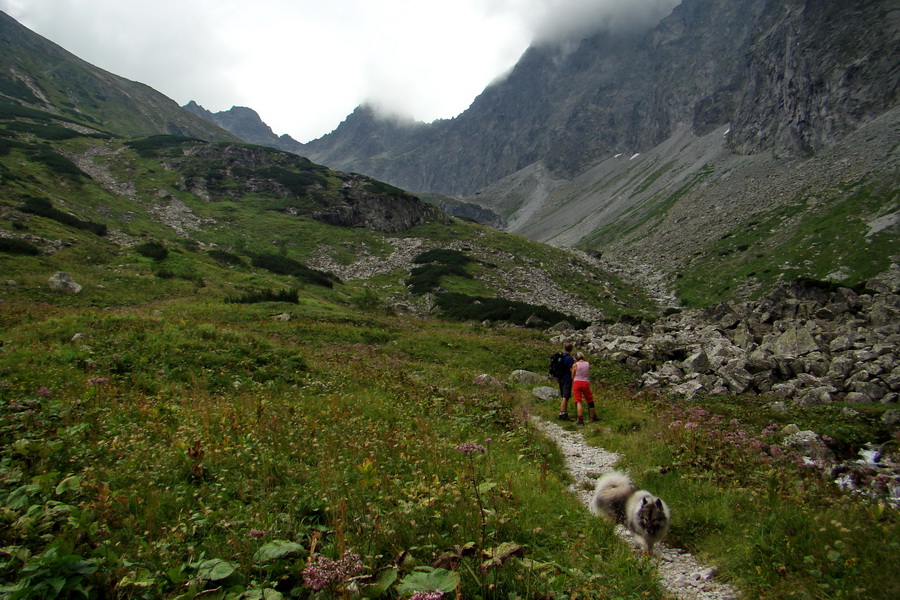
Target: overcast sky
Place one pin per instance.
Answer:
(304, 65)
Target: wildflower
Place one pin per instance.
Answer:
(326, 573)
(470, 448)
(257, 533)
(98, 380)
(44, 392)
(435, 595)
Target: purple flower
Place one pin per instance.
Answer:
(326, 573)
(98, 380)
(435, 595)
(470, 448)
(257, 533)
(44, 392)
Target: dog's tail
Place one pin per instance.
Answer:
(611, 494)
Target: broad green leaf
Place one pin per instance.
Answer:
(215, 569)
(20, 497)
(428, 581)
(486, 487)
(275, 550)
(263, 594)
(384, 581)
(69, 484)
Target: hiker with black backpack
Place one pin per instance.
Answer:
(561, 367)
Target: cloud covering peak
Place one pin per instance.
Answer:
(304, 65)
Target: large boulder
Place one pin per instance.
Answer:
(810, 445)
(63, 283)
(527, 377)
(545, 392)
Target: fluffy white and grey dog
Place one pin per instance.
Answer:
(616, 498)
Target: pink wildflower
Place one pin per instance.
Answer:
(470, 448)
(326, 573)
(435, 595)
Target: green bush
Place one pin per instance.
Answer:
(153, 249)
(14, 111)
(426, 278)
(469, 308)
(47, 132)
(42, 207)
(226, 257)
(283, 265)
(445, 256)
(151, 147)
(297, 183)
(292, 296)
(17, 246)
(58, 163)
(385, 189)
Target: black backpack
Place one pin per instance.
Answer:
(558, 364)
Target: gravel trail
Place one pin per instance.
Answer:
(680, 573)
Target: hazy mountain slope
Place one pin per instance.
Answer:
(563, 106)
(38, 73)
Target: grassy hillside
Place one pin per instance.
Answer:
(36, 72)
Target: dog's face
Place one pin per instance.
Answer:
(652, 515)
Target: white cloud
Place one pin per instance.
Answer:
(304, 65)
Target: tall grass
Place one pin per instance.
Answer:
(147, 445)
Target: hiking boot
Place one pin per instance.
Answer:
(580, 422)
(564, 416)
(595, 420)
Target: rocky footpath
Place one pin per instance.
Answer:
(680, 573)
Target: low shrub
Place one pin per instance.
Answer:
(153, 249)
(445, 256)
(42, 207)
(266, 295)
(427, 278)
(17, 246)
(153, 146)
(226, 257)
(468, 308)
(283, 265)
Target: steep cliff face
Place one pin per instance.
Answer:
(815, 72)
(790, 76)
(565, 106)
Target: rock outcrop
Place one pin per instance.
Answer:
(803, 344)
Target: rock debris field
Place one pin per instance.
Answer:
(680, 573)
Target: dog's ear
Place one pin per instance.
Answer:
(659, 503)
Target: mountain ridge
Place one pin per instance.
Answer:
(37, 72)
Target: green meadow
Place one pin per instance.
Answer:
(189, 448)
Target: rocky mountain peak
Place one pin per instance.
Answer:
(246, 124)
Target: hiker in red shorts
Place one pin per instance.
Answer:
(581, 387)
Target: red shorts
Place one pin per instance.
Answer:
(580, 388)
